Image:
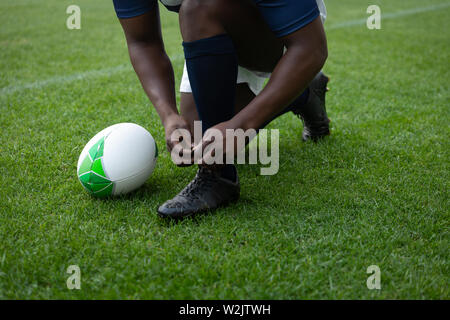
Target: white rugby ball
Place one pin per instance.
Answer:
(117, 160)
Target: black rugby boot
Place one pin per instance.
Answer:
(313, 114)
(207, 191)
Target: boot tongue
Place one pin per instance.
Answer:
(229, 172)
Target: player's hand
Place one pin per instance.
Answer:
(225, 149)
(171, 124)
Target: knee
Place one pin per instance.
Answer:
(317, 51)
(321, 48)
(310, 43)
(321, 54)
(196, 9)
(200, 19)
(189, 8)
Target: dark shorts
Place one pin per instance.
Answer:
(282, 16)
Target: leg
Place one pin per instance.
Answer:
(184, 204)
(189, 111)
(309, 107)
(256, 45)
(219, 34)
(257, 48)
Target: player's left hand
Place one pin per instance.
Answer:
(215, 146)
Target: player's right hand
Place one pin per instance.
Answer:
(171, 125)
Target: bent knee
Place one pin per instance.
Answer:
(199, 19)
(199, 8)
(321, 54)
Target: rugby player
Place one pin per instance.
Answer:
(230, 47)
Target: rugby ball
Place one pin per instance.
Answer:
(117, 160)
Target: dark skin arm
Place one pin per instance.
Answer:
(305, 56)
(154, 69)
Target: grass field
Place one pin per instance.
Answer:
(375, 193)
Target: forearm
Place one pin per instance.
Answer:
(155, 72)
(289, 79)
(306, 54)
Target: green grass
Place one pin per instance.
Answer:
(375, 192)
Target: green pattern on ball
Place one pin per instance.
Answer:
(91, 173)
(96, 151)
(105, 192)
(85, 166)
(97, 167)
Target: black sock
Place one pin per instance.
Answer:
(212, 68)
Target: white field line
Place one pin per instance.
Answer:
(106, 72)
(114, 70)
(63, 79)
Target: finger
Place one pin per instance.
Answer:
(169, 146)
(213, 153)
(181, 135)
(214, 156)
(198, 151)
(179, 153)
